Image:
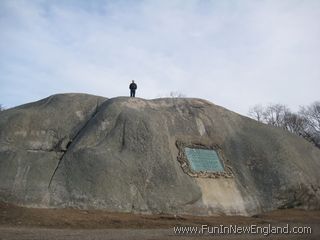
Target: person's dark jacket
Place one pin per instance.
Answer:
(133, 86)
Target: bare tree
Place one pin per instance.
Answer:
(305, 123)
(177, 95)
(295, 123)
(256, 112)
(275, 114)
(311, 114)
(172, 94)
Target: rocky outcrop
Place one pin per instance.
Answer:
(121, 154)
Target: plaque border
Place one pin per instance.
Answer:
(185, 165)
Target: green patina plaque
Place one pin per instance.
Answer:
(203, 160)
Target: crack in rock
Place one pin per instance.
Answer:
(72, 140)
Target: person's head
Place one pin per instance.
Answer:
(132, 81)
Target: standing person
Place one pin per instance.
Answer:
(133, 88)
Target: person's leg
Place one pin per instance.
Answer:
(134, 93)
(131, 93)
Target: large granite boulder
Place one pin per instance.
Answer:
(124, 154)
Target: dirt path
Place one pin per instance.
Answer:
(28, 223)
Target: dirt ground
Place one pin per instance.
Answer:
(30, 223)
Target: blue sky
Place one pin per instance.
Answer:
(233, 53)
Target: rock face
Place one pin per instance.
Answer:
(120, 154)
